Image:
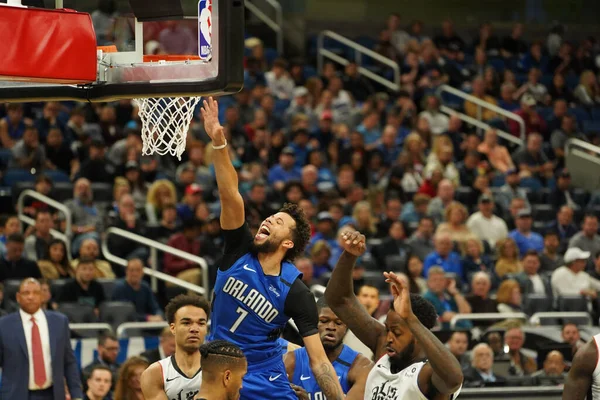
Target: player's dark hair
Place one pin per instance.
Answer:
(423, 310)
(321, 304)
(300, 234)
(220, 354)
(183, 300)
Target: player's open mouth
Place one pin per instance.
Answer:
(390, 352)
(263, 233)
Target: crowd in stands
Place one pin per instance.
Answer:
(474, 223)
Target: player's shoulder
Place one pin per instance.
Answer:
(154, 373)
(586, 358)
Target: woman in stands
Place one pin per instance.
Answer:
(507, 261)
(509, 297)
(455, 218)
(128, 386)
(55, 264)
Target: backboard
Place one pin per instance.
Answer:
(55, 58)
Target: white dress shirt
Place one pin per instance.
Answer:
(489, 229)
(42, 323)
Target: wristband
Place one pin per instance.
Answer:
(221, 146)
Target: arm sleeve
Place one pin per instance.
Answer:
(300, 305)
(237, 243)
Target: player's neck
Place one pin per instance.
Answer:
(334, 353)
(270, 262)
(188, 362)
(210, 393)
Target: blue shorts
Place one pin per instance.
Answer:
(269, 383)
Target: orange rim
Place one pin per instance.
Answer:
(170, 57)
(108, 49)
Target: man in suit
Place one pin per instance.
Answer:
(35, 351)
(165, 348)
(481, 372)
(530, 280)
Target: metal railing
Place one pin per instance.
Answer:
(484, 104)
(154, 248)
(92, 326)
(359, 51)
(481, 125)
(581, 158)
(486, 317)
(121, 329)
(275, 24)
(538, 316)
(66, 236)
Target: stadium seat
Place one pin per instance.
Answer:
(78, 313)
(572, 303)
(534, 303)
(62, 191)
(395, 263)
(591, 126)
(309, 71)
(543, 212)
(108, 285)
(375, 278)
(57, 176)
(14, 176)
(581, 114)
(5, 157)
(498, 64)
(572, 80)
(596, 113)
(19, 187)
(11, 287)
(270, 55)
(580, 196)
(464, 194)
(117, 312)
(56, 286)
(102, 191)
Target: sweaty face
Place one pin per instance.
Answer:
(400, 343)
(273, 232)
(190, 328)
(331, 329)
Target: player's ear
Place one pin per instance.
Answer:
(226, 377)
(288, 244)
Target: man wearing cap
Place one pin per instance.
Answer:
(191, 198)
(525, 238)
(485, 224)
(571, 279)
(533, 121)
(285, 171)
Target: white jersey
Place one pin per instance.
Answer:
(177, 385)
(382, 384)
(595, 389)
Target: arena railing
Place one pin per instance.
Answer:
(275, 24)
(66, 236)
(480, 105)
(537, 317)
(486, 317)
(153, 272)
(481, 125)
(581, 158)
(359, 52)
(124, 327)
(90, 327)
(508, 392)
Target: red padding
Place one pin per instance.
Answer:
(51, 46)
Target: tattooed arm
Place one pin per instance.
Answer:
(340, 294)
(579, 380)
(322, 369)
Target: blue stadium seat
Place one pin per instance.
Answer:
(572, 81)
(281, 106)
(57, 176)
(366, 41)
(11, 287)
(591, 126)
(14, 176)
(309, 71)
(498, 64)
(596, 113)
(547, 113)
(581, 114)
(271, 55)
(5, 157)
(546, 80)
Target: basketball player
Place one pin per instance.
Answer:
(258, 288)
(224, 367)
(351, 367)
(179, 376)
(412, 362)
(583, 381)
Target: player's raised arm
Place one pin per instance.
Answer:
(442, 373)
(340, 294)
(579, 380)
(152, 383)
(232, 204)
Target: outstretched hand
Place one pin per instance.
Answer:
(354, 243)
(401, 295)
(210, 114)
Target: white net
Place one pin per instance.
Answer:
(165, 123)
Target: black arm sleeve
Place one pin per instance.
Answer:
(300, 305)
(237, 243)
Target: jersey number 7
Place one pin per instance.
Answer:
(243, 313)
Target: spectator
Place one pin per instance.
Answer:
(437, 121)
(86, 218)
(368, 297)
(444, 257)
(13, 265)
(533, 121)
(564, 195)
(191, 199)
(473, 110)
(446, 299)
(479, 299)
(28, 153)
(96, 168)
(474, 260)
(398, 37)
(133, 289)
(393, 211)
(370, 131)
(279, 82)
(6, 304)
(509, 297)
(571, 279)
(487, 41)
(469, 168)
(587, 93)
(13, 126)
(305, 266)
(11, 226)
(551, 258)
(560, 136)
(481, 371)
(176, 38)
(507, 260)
(523, 236)
(83, 288)
(520, 364)
(98, 383)
(89, 250)
(108, 350)
(513, 45)
(128, 384)
(485, 225)
(570, 335)
(587, 239)
(414, 275)
(162, 192)
(301, 106)
(321, 254)
(342, 103)
(421, 241)
(559, 111)
(188, 241)
(454, 225)
(326, 229)
(355, 84)
(533, 87)
(130, 221)
(563, 225)
(507, 97)
(458, 345)
(393, 245)
(55, 263)
(414, 211)
(59, 155)
(510, 191)
(449, 43)
(285, 171)
(553, 373)
(166, 347)
(36, 245)
(437, 205)
(530, 280)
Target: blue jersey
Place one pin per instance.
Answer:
(248, 308)
(304, 377)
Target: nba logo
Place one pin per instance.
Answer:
(205, 29)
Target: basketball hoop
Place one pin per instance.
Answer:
(166, 120)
